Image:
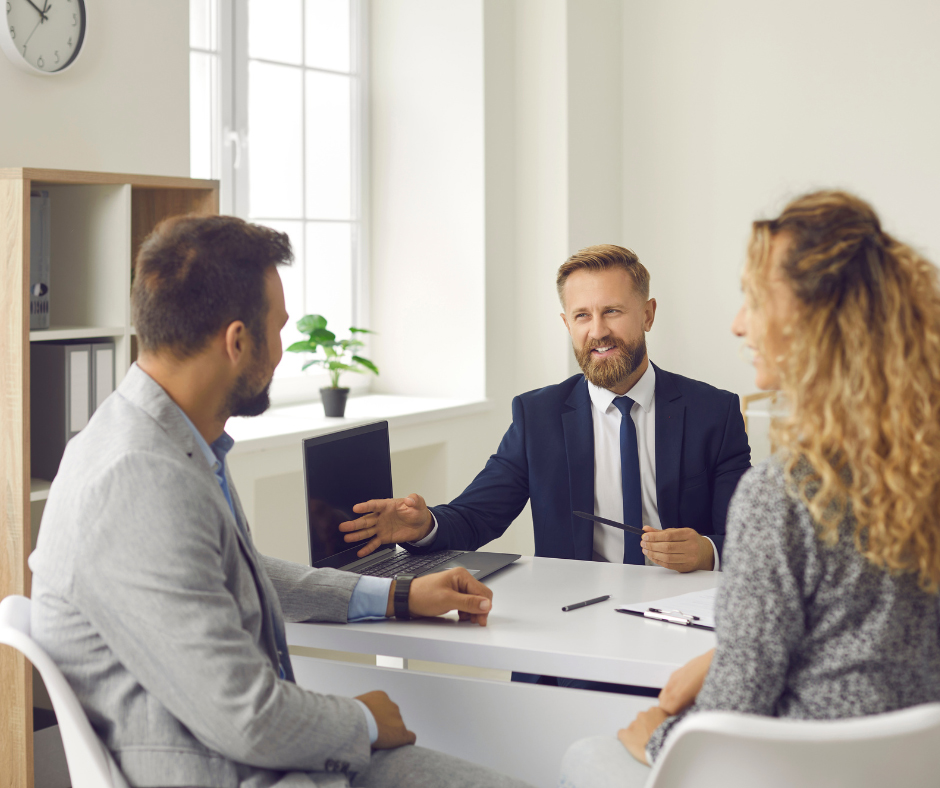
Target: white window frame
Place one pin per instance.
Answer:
(232, 155)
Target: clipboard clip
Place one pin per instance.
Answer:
(671, 616)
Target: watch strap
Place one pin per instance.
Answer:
(402, 592)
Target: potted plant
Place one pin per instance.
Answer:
(336, 356)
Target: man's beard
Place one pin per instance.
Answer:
(606, 373)
(246, 398)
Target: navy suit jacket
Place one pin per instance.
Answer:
(547, 456)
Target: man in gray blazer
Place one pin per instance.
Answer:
(147, 589)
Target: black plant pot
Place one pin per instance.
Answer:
(334, 401)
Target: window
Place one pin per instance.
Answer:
(289, 148)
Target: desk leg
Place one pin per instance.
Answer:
(391, 662)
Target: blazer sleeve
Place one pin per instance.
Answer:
(153, 580)
(734, 460)
(760, 615)
(309, 594)
(491, 502)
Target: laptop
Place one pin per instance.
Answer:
(353, 466)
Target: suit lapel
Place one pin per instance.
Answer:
(578, 425)
(670, 426)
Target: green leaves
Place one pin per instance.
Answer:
(310, 323)
(366, 363)
(338, 356)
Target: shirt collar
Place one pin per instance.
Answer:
(642, 392)
(214, 454)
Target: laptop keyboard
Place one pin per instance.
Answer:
(407, 564)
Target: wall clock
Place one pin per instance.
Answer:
(43, 36)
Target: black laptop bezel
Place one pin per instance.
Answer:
(339, 560)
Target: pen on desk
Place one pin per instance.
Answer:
(594, 601)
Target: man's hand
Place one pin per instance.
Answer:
(681, 549)
(392, 730)
(441, 592)
(637, 734)
(685, 684)
(388, 521)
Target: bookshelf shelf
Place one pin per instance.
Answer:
(58, 333)
(98, 221)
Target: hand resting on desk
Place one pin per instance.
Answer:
(441, 592)
(388, 521)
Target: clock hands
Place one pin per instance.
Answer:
(42, 13)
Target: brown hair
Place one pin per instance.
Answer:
(601, 258)
(197, 274)
(862, 378)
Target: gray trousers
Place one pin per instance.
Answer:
(418, 767)
(601, 762)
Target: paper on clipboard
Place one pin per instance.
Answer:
(697, 603)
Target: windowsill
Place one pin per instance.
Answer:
(285, 426)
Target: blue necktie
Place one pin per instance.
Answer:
(630, 478)
(285, 669)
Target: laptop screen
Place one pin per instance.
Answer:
(340, 470)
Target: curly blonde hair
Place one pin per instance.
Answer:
(862, 378)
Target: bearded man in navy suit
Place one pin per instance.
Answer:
(625, 440)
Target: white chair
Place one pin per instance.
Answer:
(900, 749)
(90, 763)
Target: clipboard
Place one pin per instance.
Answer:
(695, 610)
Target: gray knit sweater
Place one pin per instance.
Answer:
(806, 630)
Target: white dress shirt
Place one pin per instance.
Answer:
(608, 484)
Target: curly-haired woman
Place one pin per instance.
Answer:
(829, 608)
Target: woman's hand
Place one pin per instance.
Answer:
(685, 684)
(637, 734)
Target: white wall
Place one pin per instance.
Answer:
(731, 107)
(123, 107)
(427, 232)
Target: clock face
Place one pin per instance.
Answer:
(43, 36)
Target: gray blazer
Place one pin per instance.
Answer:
(150, 601)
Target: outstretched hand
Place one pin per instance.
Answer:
(388, 521)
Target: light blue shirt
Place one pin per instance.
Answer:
(369, 598)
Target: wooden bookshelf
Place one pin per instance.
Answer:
(98, 223)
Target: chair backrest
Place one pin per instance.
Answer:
(90, 763)
(711, 749)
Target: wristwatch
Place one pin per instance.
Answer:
(400, 601)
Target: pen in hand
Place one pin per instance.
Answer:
(594, 601)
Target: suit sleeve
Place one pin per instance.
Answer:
(152, 579)
(309, 594)
(734, 459)
(495, 498)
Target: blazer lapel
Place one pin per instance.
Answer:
(670, 425)
(578, 425)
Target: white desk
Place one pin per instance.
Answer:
(528, 632)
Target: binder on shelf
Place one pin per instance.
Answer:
(40, 242)
(102, 372)
(67, 383)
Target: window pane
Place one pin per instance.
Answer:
(202, 132)
(275, 141)
(203, 28)
(329, 274)
(329, 166)
(328, 41)
(275, 30)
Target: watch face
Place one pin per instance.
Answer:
(45, 34)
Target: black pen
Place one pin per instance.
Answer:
(576, 605)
